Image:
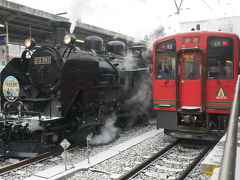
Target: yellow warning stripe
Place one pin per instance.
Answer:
(208, 168)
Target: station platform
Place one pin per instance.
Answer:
(59, 173)
(212, 163)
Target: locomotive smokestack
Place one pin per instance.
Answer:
(60, 28)
(198, 27)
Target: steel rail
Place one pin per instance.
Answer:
(25, 162)
(143, 165)
(185, 173)
(227, 170)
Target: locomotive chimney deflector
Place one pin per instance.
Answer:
(60, 28)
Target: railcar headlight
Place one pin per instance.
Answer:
(29, 43)
(69, 39)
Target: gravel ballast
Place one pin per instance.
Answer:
(113, 167)
(75, 156)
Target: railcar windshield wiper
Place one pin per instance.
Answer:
(166, 81)
(213, 76)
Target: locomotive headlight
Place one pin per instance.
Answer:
(29, 43)
(69, 39)
(229, 61)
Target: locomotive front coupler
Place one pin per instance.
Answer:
(189, 119)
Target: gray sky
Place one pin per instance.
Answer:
(136, 17)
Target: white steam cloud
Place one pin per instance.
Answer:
(34, 126)
(109, 15)
(108, 132)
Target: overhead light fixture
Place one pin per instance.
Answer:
(2, 25)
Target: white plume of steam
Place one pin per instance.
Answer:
(78, 8)
(129, 63)
(34, 125)
(73, 24)
(108, 132)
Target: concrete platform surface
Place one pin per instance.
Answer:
(58, 172)
(212, 163)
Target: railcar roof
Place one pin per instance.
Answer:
(198, 33)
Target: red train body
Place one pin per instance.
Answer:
(194, 76)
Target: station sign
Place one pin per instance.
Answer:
(3, 39)
(65, 144)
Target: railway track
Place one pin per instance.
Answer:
(175, 161)
(28, 161)
(25, 162)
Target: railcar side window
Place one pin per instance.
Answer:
(166, 59)
(165, 65)
(220, 58)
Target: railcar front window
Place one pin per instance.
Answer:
(220, 68)
(220, 58)
(165, 65)
(191, 66)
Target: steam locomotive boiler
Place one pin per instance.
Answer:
(60, 90)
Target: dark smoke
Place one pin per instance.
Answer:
(139, 104)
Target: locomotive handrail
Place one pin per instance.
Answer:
(227, 170)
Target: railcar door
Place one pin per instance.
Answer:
(190, 80)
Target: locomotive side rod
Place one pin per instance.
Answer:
(140, 167)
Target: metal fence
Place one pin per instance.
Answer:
(227, 170)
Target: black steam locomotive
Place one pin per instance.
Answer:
(60, 90)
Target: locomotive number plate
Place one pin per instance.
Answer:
(43, 60)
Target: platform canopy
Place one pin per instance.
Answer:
(24, 22)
